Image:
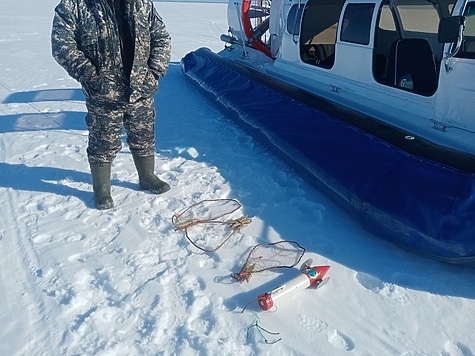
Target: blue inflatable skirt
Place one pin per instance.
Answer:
(412, 193)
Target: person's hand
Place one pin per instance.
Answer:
(100, 84)
(150, 84)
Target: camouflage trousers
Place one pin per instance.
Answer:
(106, 122)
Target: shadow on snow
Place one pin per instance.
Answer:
(187, 119)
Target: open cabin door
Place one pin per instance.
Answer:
(456, 95)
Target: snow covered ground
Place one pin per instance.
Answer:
(75, 280)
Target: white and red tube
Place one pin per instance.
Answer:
(308, 277)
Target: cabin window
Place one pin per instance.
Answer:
(467, 48)
(318, 34)
(293, 20)
(419, 18)
(356, 25)
(386, 19)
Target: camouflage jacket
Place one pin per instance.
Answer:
(86, 43)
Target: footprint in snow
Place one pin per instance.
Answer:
(391, 292)
(312, 325)
(335, 337)
(59, 237)
(414, 353)
(455, 348)
(369, 282)
(341, 340)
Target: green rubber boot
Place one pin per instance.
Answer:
(101, 184)
(147, 178)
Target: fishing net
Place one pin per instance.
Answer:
(209, 223)
(263, 257)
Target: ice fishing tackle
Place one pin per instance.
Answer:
(263, 257)
(261, 331)
(207, 213)
(309, 276)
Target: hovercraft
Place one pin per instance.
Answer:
(371, 100)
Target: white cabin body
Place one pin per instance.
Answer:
(382, 58)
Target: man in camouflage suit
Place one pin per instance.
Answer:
(117, 50)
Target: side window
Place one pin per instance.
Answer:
(356, 25)
(386, 19)
(411, 23)
(467, 49)
(293, 19)
(319, 27)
